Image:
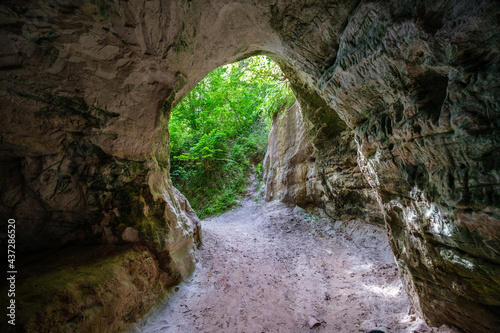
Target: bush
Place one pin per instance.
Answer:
(219, 132)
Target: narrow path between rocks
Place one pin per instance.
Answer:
(271, 268)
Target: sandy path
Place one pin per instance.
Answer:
(269, 268)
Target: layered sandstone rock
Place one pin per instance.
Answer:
(76, 133)
(420, 96)
(86, 90)
(297, 172)
(89, 289)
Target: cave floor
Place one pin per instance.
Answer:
(266, 267)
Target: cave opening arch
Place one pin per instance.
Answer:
(219, 132)
(416, 82)
(386, 104)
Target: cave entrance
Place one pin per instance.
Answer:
(218, 132)
(270, 267)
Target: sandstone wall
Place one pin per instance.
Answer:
(417, 82)
(86, 90)
(421, 97)
(107, 292)
(81, 107)
(297, 172)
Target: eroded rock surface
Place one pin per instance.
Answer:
(420, 95)
(89, 289)
(297, 172)
(86, 89)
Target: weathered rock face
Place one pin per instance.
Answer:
(73, 168)
(297, 172)
(87, 87)
(289, 162)
(420, 95)
(79, 289)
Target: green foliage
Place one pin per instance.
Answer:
(219, 131)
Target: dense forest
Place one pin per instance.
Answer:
(219, 132)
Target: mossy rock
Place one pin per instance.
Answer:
(84, 289)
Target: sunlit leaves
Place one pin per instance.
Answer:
(220, 127)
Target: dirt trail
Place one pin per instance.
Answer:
(269, 268)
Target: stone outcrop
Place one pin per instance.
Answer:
(420, 95)
(86, 90)
(82, 289)
(297, 172)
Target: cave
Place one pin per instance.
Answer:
(398, 102)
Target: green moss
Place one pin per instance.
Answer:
(68, 288)
(51, 54)
(131, 195)
(154, 226)
(180, 46)
(103, 6)
(50, 50)
(154, 230)
(181, 43)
